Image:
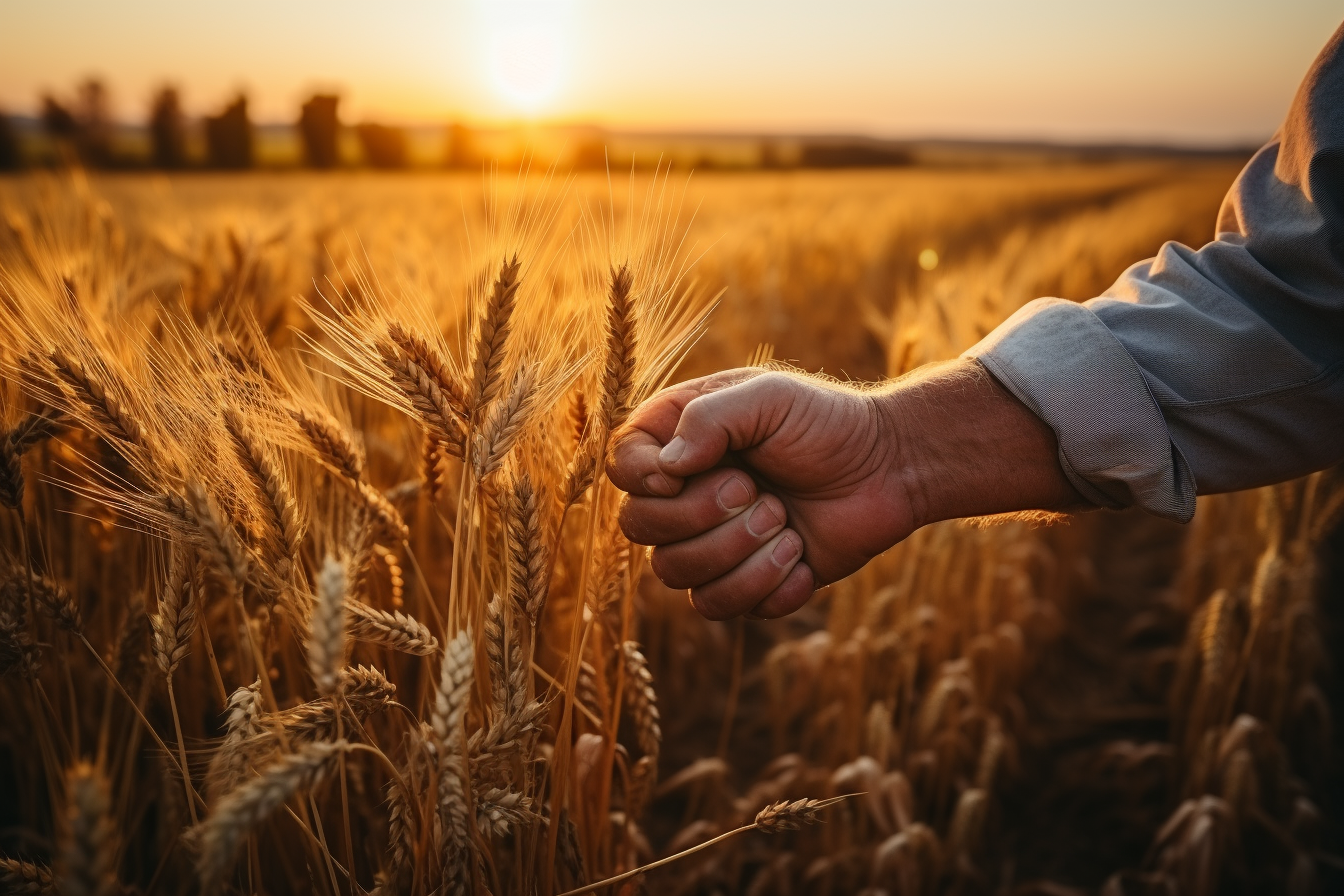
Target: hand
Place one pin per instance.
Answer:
(758, 487)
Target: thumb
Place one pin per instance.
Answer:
(731, 419)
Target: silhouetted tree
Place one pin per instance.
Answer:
(58, 122)
(94, 121)
(319, 126)
(9, 145)
(167, 130)
(853, 155)
(384, 147)
(461, 147)
(770, 158)
(590, 155)
(228, 136)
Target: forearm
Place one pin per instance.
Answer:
(964, 446)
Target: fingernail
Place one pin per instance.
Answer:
(673, 450)
(657, 484)
(785, 551)
(763, 519)
(733, 494)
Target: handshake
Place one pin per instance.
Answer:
(755, 488)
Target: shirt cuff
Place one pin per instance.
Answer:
(1061, 361)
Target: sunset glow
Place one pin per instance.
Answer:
(1187, 70)
(526, 44)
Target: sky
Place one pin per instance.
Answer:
(1194, 72)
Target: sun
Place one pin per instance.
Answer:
(526, 44)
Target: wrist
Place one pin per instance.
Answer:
(964, 446)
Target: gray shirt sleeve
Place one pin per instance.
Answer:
(1211, 370)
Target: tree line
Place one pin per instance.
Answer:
(81, 130)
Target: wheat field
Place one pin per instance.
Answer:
(312, 581)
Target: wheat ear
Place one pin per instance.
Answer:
(331, 441)
(492, 332)
(642, 700)
(228, 765)
(326, 637)
(88, 847)
(618, 376)
(394, 630)
(174, 623)
(284, 521)
(528, 560)
(104, 407)
(14, 444)
(505, 423)
(250, 804)
(456, 674)
(18, 878)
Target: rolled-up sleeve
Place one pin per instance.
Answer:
(1210, 370)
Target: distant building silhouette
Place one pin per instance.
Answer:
(319, 126)
(167, 131)
(9, 145)
(461, 150)
(384, 147)
(228, 137)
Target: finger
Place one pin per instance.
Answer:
(796, 589)
(705, 501)
(691, 563)
(730, 419)
(633, 467)
(751, 581)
